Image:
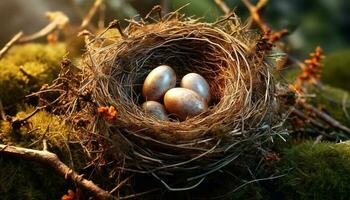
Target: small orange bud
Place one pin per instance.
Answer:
(108, 113)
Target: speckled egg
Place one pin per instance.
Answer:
(197, 83)
(184, 103)
(156, 109)
(158, 81)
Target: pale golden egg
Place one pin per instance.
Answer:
(197, 83)
(155, 109)
(158, 81)
(184, 103)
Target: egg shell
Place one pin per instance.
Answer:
(156, 109)
(197, 83)
(184, 103)
(157, 82)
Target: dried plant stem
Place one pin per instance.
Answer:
(330, 120)
(304, 116)
(25, 73)
(269, 34)
(10, 43)
(222, 5)
(102, 16)
(51, 160)
(157, 9)
(58, 21)
(120, 184)
(17, 123)
(91, 13)
(255, 13)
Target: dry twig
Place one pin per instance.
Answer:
(58, 21)
(91, 13)
(17, 123)
(10, 43)
(305, 117)
(255, 12)
(330, 120)
(51, 159)
(222, 5)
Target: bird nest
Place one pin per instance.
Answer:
(241, 116)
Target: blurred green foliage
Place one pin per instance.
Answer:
(205, 9)
(335, 102)
(310, 23)
(336, 70)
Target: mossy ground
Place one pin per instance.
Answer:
(40, 64)
(22, 179)
(28, 180)
(316, 171)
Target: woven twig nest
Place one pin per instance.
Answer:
(241, 116)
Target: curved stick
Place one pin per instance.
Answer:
(51, 159)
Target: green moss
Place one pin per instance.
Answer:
(336, 69)
(335, 101)
(41, 126)
(29, 180)
(317, 171)
(40, 62)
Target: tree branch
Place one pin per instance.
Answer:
(51, 159)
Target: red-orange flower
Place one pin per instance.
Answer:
(71, 195)
(108, 113)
